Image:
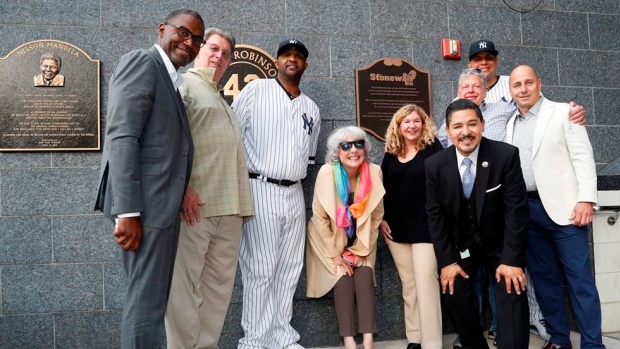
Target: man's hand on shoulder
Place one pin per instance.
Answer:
(583, 213)
(513, 276)
(128, 233)
(577, 114)
(448, 275)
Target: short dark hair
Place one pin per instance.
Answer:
(461, 104)
(184, 11)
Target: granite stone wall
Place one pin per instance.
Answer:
(61, 280)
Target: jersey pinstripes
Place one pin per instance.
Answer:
(280, 136)
(500, 91)
(275, 132)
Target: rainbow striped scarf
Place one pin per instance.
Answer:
(346, 213)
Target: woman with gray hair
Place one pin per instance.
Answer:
(347, 210)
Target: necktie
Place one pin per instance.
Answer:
(468, 178)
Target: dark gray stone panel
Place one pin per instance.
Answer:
(24, 160)
(20, 34)
(605, 143)
(84, 239)
(318, 49)
(232, 331)
(93, 330)
(48, 191)
(51, 288)
(124, 13)
(606, 106)
(389, 283)
(523, 5)
(595, 6)
(327, 17)
(409, 19)
(52, 12)
(114, 286)
(356, 52)
(472, 23)
(581, 96)
(390, 310)
(25, 240)
(604, 32)
(444, 93)
(561, 29)
(427, 56)
(107, 44)
(315, 320)
(543, 60)
(27, 331)
(334, 97)
(77, 159)
(245, 16)
(583, 68)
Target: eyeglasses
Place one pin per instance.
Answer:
(214, 48)
(346, 146)
(185, 34)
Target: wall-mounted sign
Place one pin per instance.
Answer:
(386, 85)
(49, 98)
(248, 63)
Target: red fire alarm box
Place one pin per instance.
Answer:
(451, 49)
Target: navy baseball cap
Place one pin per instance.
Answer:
(482, 46)
(292, 44)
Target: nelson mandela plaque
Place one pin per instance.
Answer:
(383, 87)
(50, 98)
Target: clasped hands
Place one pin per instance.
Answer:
(347, 261)
(513, 276)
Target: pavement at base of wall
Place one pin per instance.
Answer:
(611, 341)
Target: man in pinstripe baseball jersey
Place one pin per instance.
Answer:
(280, 128)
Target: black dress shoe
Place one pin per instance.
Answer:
(550, 345)
(414, 346)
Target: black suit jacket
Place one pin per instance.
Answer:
(501, 203)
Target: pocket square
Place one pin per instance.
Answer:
(492, 189)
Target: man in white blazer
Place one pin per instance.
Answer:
(560, 176)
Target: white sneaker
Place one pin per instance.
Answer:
(294, 346)
(457, 343)
(538, 328)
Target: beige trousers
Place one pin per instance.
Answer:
(417, 269)
(202, 282)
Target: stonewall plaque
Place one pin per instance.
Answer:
(386, 85)
(248, 63)
(49, 98)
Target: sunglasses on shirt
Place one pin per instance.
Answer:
(346, 146)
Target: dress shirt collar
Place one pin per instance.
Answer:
(177, 79)
(534, 109)
(473, 157)
(206, 74)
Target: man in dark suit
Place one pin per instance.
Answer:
(145, 168)
(478, 214)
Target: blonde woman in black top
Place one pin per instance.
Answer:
(411, 138)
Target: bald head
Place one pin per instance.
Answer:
(524, 87)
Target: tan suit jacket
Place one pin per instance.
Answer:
(326, 241)
(563, 161)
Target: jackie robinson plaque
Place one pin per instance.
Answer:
(383, 87)
(248, 63)
(50, 98)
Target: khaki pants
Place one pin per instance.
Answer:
(417, 269)
(202, 283)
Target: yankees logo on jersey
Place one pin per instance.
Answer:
(308, 123)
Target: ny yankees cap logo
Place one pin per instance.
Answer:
(292, 41)
(482, 44)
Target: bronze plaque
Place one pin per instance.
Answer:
(49, 98)
(383, 87)
(248, 63)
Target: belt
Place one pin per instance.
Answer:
(533, 194)
(280, 182)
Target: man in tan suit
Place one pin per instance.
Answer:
(215, 203)
(560, 177)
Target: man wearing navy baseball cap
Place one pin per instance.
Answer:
(292, 44)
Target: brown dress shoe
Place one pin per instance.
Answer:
(550, 345)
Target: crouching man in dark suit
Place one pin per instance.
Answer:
(478, 214)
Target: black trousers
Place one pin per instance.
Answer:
(462, 307)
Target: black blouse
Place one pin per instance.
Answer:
(405, 196)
